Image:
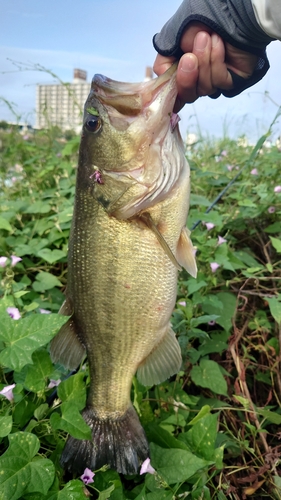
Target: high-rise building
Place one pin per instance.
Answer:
(62, 104)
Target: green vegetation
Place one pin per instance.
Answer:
(214, 429)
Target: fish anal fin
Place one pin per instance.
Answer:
(186, 253)
(118, 442)
(66, 347)
(163, 362)
(146, 218)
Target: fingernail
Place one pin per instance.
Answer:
(215, 39)
(188, 63)
(201, 41)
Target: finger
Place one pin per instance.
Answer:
(162, 63)
(202, 49)
(187, 75)
(220, 76)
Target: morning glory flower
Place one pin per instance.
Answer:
(146, 467)
(87, 476)
(53, 383)
(209, 225)
(182, 303)
(8, 392)
(44, 311)
(271, 210)
(254, 171)
(277, 189)
(221, 240)
(15, 260)
(13, 312)
(230, 167)
(3, 261)
(214, 266)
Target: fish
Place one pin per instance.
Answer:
(128, 240)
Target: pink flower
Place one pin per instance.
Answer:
(44, 311)
(212, 322)
(146, 467)
(15, 260)
(87, 476)
(8, 392)
(3, 261)
(271, 210)
(209, 225)
(54, 383)
(221, 240)
(13, 312)
(214, 266)
(277, 189)
(230, 167)
(182, 303)
(254, 171)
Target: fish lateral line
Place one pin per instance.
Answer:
(147, 220)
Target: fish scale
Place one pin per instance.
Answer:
(128, 238)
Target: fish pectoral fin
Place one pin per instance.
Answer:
(66, 347)
(186, 253)
(163, 362)
(146, 218)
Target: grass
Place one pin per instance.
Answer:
(214, 429)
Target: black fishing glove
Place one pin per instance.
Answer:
(233, 20)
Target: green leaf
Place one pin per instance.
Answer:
(19, 472)
(175, 465)
(275, 308)
(203, 435)
(203, 319)
(39, 207)
(37, 373)
(276, 243)
(196, 199)
(73, 390)
(225, 314)
(71, 421)
(205, 410)
(193, 285)
(273, 417)
(51, 256)
(208, 375)
(160, 436)
(45, 281)
(73, 490)
(105, 494)
(22, 337)
(6, 424)
(4, 224)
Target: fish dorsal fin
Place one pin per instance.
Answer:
(186, 253)
(163, 362)
(146, 218)
(66, 347)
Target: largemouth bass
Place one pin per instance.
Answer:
(128, 240)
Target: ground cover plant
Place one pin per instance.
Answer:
(214, 429)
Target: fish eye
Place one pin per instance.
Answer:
(93, 124)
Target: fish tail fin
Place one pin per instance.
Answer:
(120, 443)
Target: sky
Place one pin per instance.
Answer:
(114, 38)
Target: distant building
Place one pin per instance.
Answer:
(62, 104)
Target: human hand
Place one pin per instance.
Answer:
(204, 67)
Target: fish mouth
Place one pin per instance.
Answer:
(131, 99)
